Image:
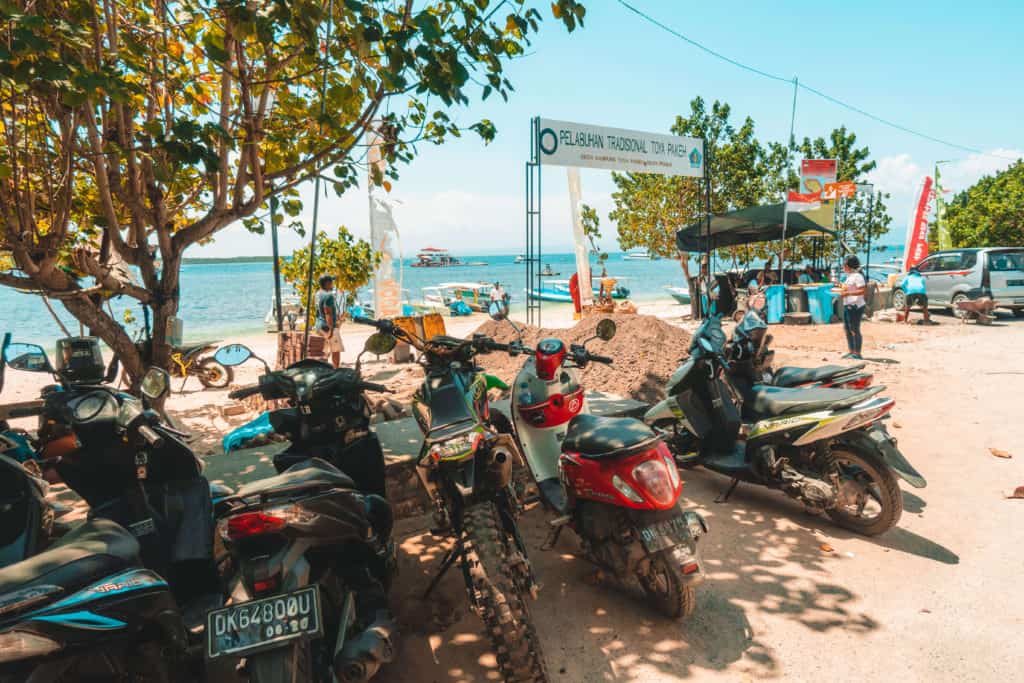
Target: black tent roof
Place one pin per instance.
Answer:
(745, 226)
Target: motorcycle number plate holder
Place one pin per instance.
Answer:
(665, 534)
(268, 623)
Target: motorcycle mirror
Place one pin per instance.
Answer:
(705, 344)
(606, 329)
(498, 310)
(28, 357)
(379, 343)
(233, 354)
(155, 384)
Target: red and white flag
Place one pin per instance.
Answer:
(916, 247)
(799, 203)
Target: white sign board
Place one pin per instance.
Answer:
(563, 143)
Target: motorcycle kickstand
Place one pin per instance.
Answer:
(446, 564)
(556, 530)
(724, 497)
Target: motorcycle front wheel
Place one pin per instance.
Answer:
(870, 501)
(502, 598)
(213, 375)
(666, 589)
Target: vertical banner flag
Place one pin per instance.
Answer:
(579, 238)
(943, 237)
(917, 228)
(387, 277)
(815, 174)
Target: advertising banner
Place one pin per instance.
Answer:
(815, 175)
(563, 143)
(917, 227)
(579, 237)
(387, 278)
(845, 190)
(802, 203)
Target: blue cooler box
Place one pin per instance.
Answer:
(775, 302)
(820, 303)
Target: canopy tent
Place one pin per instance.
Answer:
(745, 226)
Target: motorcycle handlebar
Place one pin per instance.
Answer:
(151, 437)
(599, 359)
(379, 388)
(363, 320)
(30, 411)
(245, 392)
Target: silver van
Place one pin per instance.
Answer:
(962, 274)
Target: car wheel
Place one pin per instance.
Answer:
(899, 299)
(957, 298)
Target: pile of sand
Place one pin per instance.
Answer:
(645, 350)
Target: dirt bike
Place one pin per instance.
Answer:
(611, 480)
(825, 447)
(189, 360)
(465, 465)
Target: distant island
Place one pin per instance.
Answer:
(233, 259)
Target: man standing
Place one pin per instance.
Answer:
(328, 319)
(915, 294)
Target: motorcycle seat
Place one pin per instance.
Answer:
(93, 550)
(307, 473)
(190, 349)
(596, 437)
(771, 401)
(791, 376)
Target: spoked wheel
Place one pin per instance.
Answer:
(498, 584)
(213, 375)
(869, 499)
(665, 589)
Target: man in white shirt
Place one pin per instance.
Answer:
(853, 290)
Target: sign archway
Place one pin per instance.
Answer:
(580, 145)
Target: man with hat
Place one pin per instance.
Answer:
(328, 319)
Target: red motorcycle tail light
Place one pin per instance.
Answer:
(862, 382)
(253, 524)
(654, 478)
(548, 359)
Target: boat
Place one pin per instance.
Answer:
(291, 318)
(433, 257)
(641, 255)
(547, 272)
(558, 290)
(477, 295)
(521, 258)
(680, 294)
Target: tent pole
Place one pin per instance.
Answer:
(707, 210)
(277, 261)
(785, 190)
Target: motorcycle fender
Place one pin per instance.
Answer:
(878, 439)
(493, 382)
(665, 410)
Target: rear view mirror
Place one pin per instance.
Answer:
(378, 344)
(155, 384)
(233, 354)
(28, 357)
(705, 344)
(606, 329)
(497, 310)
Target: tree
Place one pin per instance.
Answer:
(650, 208)
(349, 260)
(990, 213)
(592, 229)
(132, 130)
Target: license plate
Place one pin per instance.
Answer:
(665, 534)
(263, 624)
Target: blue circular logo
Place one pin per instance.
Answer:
(548, 137)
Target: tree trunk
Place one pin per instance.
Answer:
(111, 332)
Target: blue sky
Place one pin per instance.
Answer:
(951, 70)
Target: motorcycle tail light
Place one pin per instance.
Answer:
(861, 382)
(653, 477)
(15, 645)
(261, 522)
(267, 585)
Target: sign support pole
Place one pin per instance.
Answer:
(277, 261)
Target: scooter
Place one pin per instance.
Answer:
(611, 480)
(465, 465)
(751, 354)
(311, 546)
(827, 448)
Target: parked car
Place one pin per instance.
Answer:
(963, 274)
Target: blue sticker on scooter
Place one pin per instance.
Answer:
(85, 620)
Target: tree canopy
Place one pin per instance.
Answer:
(990, 213)
(131, 130)
(351, 261)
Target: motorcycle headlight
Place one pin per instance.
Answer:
(457, 447)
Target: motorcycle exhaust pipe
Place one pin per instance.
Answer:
(363, 656)
(500, 466)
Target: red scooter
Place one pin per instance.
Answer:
(611, 480)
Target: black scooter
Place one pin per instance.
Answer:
(312, 546)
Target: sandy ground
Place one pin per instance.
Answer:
(789, 596)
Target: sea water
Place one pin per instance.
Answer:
(224, 299)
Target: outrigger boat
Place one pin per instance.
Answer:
(680, 294)
(476, 295)
(558, 290)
